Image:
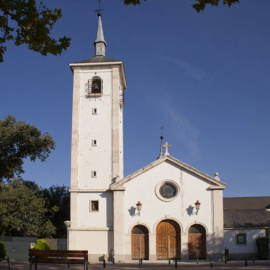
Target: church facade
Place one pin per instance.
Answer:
(165, 210)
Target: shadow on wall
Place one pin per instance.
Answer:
(132, 211)
(190, 210)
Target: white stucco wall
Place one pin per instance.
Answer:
(101, 218)
(143, 188)
(98, 127)
(249, 247)
(97, 242)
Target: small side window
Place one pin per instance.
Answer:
(94, 111)
(94, 206)
(94, 142)
(241, 239)
(94, 174)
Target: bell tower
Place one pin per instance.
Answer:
(97, 147)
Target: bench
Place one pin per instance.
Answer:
(58, 257)
(5, 259)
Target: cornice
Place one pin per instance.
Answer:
(88, 190)
(90, 229)
(74, 66)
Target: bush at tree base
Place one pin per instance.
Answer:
(42, 244)
(3, 250)
(262, 243)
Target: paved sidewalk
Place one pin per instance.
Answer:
(236, 265)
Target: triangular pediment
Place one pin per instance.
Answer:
(213, 183)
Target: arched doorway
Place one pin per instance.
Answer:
(139, 243)
(197, 242)
(168, 240)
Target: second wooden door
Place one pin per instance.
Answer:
(168, 240)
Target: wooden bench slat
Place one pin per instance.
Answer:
(54, 252)
(58, 257)
(55, 260)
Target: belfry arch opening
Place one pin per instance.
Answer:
(95, 85)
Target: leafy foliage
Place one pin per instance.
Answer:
(60, 197)
(263, 247)
(19, 140)
(30, 22)
(3, 250)
(199, 6)
(42, 244)
(23, 211)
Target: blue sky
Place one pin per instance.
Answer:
(204, 77)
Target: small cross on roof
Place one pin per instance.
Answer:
(166, 145)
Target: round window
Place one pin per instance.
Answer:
(167, 190)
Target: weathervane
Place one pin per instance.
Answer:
(99, 9)
(161, 148)
(162, 128)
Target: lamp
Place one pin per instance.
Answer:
(139, 207)
(68, 224)
(197, 206)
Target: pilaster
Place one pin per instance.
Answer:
(75, 130)
(115, 123)
(218, 223)
(118, 223)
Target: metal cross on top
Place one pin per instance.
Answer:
(99, 9)
(166, 145)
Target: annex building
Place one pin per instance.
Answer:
(167, 209)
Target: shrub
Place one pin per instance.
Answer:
(42, 244)
(3, 250)
(263, 247)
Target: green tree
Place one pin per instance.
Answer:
(30, 22)
(58, 196)
(23, 211)
(198, 6)
(19, 140)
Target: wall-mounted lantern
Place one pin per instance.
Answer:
(197, 206)
(139, 207)
(68, 224)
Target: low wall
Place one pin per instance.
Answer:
(17, 247)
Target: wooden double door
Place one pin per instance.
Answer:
(140, 243)
(168, 240)
(197, 242)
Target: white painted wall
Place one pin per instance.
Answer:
(142, 188)
(93, 230)
(182, 209)
(97, 242)
(251, 236)
(102, 218)
(99, 127)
